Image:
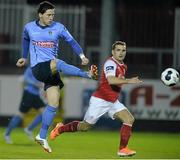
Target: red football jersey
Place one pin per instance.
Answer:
(104, 90)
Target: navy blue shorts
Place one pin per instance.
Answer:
(42, 72)
(29, 101)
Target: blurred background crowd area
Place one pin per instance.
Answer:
(151, 30)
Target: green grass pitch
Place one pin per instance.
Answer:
(92, 145)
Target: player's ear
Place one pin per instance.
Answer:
(112, 52)
(40, 15)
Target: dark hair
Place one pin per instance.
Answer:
(118, 43)
(44, 6)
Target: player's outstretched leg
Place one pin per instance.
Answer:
(75, 71)
(55, 132)
(60, 128)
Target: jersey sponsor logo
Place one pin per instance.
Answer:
(44, 44)
(108, 68)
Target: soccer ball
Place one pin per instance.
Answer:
(170, 77)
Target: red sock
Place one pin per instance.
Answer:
(69, 127)
(125, 134)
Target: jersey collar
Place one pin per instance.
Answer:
(37, 23)
(120, 63)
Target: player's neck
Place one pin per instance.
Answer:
(41, 23)
(119, 62)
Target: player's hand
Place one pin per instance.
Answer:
(21, 62)
(134, 80)
(85, 61)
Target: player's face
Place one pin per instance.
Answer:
(47, 18)
(119, 52)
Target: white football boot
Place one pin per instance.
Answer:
(43, 143)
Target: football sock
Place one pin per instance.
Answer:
(70, 69)
(15, 121)
(35, 122)
(47, 118)
(69, 127)
(125, 134)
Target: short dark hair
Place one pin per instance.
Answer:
(117, 43)
(44, 6)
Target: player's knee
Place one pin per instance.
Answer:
(84, 126)
(53, 103)
(129, 120)
(53, 96)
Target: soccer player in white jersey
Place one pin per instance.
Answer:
(40, 39)
(105, 100)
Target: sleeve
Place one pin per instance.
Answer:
(110, 68)
(76, 47)
(25, 43)
(71, 41)
(66, 35)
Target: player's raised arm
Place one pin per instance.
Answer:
(118, 80)
(133, 80)
(75, 46)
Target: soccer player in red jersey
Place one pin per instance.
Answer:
(105, 100)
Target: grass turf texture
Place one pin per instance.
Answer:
(92, 145)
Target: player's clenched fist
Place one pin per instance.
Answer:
(21, 62)
(85, 61)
